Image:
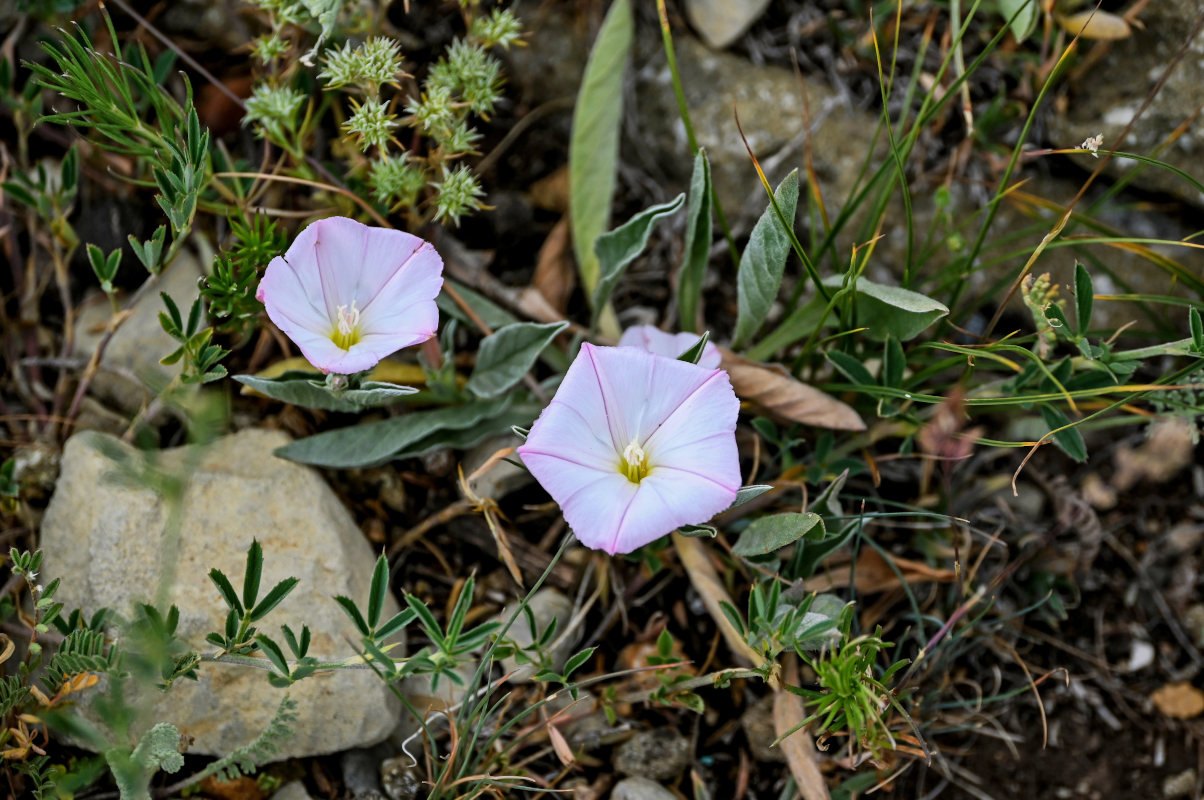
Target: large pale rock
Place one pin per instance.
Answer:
(106, 541)
(767, 97)
(130, 370)
(770, 104)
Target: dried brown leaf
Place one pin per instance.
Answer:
(873, 574)
(706, 582)
(551, 192)
(1179, 700)
(555, 274)
(771, 388)
(798, 747)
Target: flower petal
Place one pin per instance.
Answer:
(293, 299)
(699, 435)
(390, 277)
(639, 389)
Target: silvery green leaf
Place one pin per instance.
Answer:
(891, 310)
(769, 534)
(618, 248)
(506, 355)
(377, 442)
(698, 243)
(764, 261)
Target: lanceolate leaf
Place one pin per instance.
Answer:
(1084, 298)
(594, 144)
(310, 393)
(764, 261)
(768, 534)
(618, 248)
(505, 356)
(376, 442)
(698, 244)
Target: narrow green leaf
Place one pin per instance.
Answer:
(594, 143)
(274, 653)
(379, 591)
(174, 311)
(395, 624)
(853, 369)
(894, 363)
(618, 248)
(699, 531)
(576, 661)
(250, 581)
(376, 442)
(226, 589)
(353, 613)
(812, 552)
(1197, 329)
(1084, 297)
(430, 625)
(763, 263)
(273, 598)
(505, 356)
(698, 243)
(1069, 440)
(733, 616)
(769, 534)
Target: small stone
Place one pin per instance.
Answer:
(546, 605)
(1193, 619)
(721, 22)
(131, 360)
(104, 539)
(361, 773)
(640, 789)
(1180, 785)
(658, 754)
(294, 790)
(399, 778)
(759, 729)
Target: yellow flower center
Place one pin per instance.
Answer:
(634, 462)
(347, 328)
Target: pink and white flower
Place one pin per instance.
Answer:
(670, 345)
(634, 445)
(350, 294)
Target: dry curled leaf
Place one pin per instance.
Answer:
(771, 388)
(872, 574)
(1095, 24)
(1179, 700)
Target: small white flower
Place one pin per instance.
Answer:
(1093, 143)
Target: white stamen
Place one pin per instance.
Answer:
(348, 320)
(634, 454)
